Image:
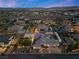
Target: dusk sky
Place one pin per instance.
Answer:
(38, 3)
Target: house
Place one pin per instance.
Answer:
(20, 22)
(75, 21)
(64, 28)
(2, 50)
(20, 31)
(16, 29)
(7, 40)
(76, 28)
(37, 13)
(27, 34)
(75, 36)
(42, 27)
(47, 39)
(22, 50)
(50, 31)
(35, 21)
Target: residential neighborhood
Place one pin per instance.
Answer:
(39, 30)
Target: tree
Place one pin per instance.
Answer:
(72, 46)
(25, 42)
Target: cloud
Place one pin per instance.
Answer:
(61, 4)
(7, 3)
(31, 0)
(11, 3)
(1, 3)
(67, 0)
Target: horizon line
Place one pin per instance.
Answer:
(41, 7)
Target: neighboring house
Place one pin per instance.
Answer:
(50, 31)
(2, 50)
(21, 31)
(6, 40)
(35, 21)
(75, 28)
(16, 29)
(37, 13)
(49, 21)
(22, 50)
(75, 21)
(42, 27)
(26, 19)
(27, 34)
(64, 28)
(20, 22)
(75, 36)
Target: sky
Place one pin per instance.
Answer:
(37, 3)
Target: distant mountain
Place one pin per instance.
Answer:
(39, 8)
